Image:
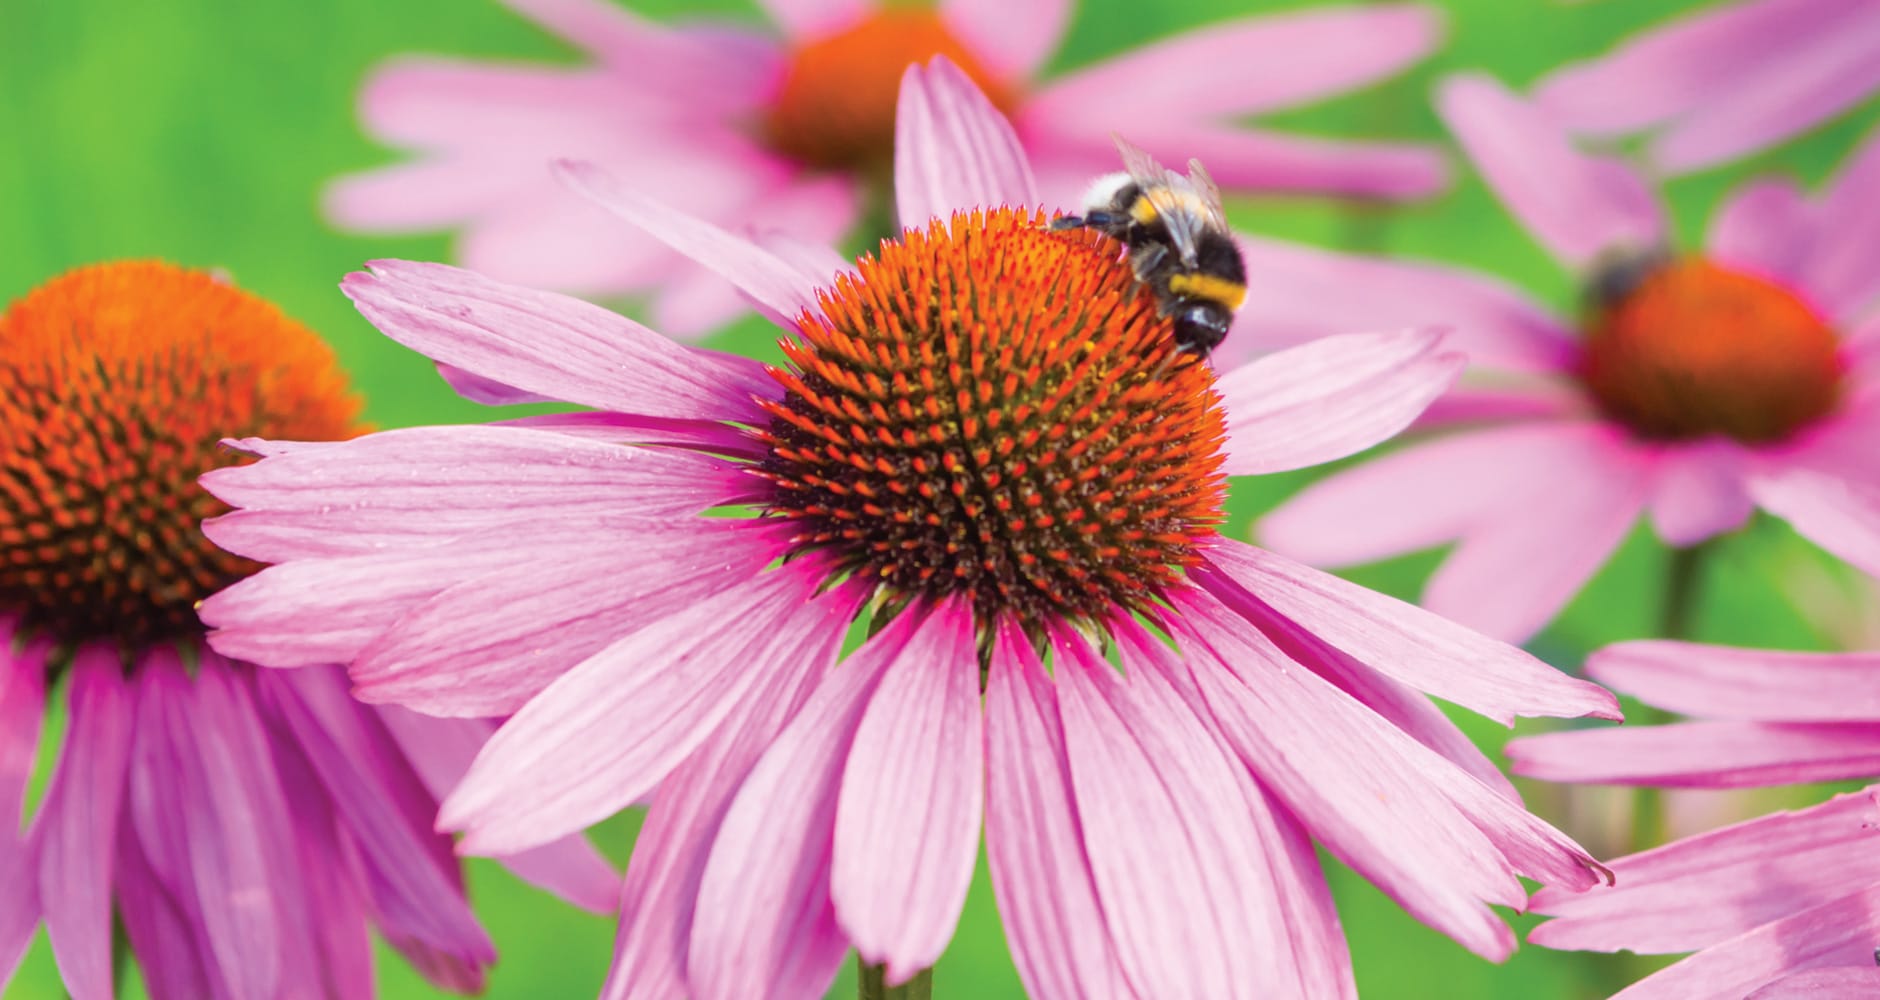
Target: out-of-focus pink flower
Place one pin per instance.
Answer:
(1694, 387)
(246, 829)
(794, 133)
(1725, 81)
(1787, 901)
(982, 447)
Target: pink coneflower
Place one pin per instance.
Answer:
(981, 449)
(245, 828)
(1695, 386)
(1777, 906)
(794, 131)
(1726, 81)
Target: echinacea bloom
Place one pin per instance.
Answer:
(1787, 905)
(244, 828)
(981, 447)
(794, 130)
(1695, 386)
(1725, 81)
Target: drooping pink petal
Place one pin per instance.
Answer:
(440, 751)
(337, 916)
(700, 435)
(1697, 492)
(1841, 68)
(1012, 40)
(802, 20)
(1034, 836)
(1705, 889)
(908, 814)
(1400, 640)
(414, 195)
(1330, 398)
(953, 150)
(1836, 934)
(773, 286)
(1663, 72)
(77, 824)
(1245, 66)
(1575, 204)
(605, 733)
(1305, 292)
(1844, 982)
(1727, 754)
(1835, 513)
(1430, 492)
(1503, 400)
(554, 345)
(675, 58)
(384, 807)
(765, 925)
(657, 902)
(1437, 840)
(1841, 275)
(432, 103)
(1767, 226)
(163, 930)
(22, 706)
(494, 640)
(1733, 683)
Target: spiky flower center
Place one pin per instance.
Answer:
(995, 410)
(835, 106)
(1691, 348)
(116, 383)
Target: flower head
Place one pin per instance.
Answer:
(984, 448)
(1695, 385)
(1723, 82)
(1775, 906)
(795, 131)
(244, 828)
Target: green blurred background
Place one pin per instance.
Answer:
(201, 131)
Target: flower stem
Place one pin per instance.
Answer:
(1683, 574)
(872, 984)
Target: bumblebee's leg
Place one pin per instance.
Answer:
(1145, 258)
(1069, 222)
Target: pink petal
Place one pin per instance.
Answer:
(1732, 683)
(1841, 275)
(1437, 840)
(1178, 860)
(1034, 836)
(22, 705)
(1838, 934)
(669, 856)
(1576, 205)
(773, 286)
(1665, 71)
(907, 817)
(1706, 889)
(605, 733)
(1430, 492)
(518, 111)
(1245, 66)
(691, 62)
(953, 151)
(553, 345)
(78, 823)
(1501, 401)
(1698, 492)
(1400, 640)
(416, 195)
(697, 435)
(765, 925)
(1304, 293)
(1835, 513)
(1848, 982)
(1703, 754)
(424, 485)
(1767, 227)
(1840, 69)
(1331, 398)
(493, 641)
(1012, 40)
(440, 751)
(803, 20)
(163, 930)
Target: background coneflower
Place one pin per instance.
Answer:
(242, 829)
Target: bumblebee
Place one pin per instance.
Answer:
(1179, 244)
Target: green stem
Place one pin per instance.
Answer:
(872, 984)
(1676, 617)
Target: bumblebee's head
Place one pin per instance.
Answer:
(1201, 326)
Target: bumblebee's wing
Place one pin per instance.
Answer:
(1171, 194)
(1209, 193)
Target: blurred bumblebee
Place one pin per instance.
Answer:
(1179, 244)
